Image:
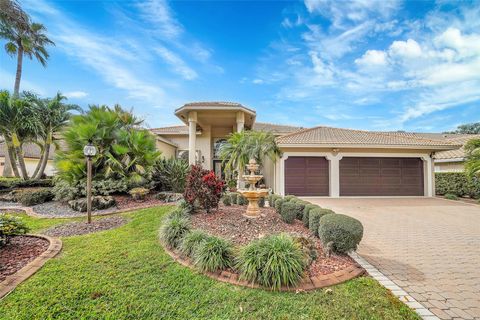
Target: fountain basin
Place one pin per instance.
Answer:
(253, 196)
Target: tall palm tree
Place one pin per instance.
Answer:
(54, 115)
(23, 38)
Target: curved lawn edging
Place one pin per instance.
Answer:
(12, 281)
(306, 284)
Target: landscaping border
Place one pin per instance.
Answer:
(29, 211)
(306, 284)
(12, 281)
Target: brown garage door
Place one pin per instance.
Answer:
(306, 176)
(381, 177)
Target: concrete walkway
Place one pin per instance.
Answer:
(429, 247)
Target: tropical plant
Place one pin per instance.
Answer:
(245, 145)
(273, 261)
(19, 123)
(10, 226)
(125, 152)
(170, 174)
(203, 187)
(472, 163)
(468, 128)
(213, 254)
(24, 38)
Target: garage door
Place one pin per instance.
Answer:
(306, 176)
(381, 177)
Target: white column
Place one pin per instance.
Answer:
(428, 173)
(334, 174)
(282, 174)
(192, 136)
(240, 121)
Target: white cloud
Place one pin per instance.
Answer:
(409, 49)
(159, 13)
(372, 58)
(75, 94)
(179, 66)
(258, 81)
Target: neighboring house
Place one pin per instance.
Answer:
(31, 154)
(318, 161)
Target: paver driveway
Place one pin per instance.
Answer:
(430, 247)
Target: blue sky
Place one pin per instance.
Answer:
(376, 65)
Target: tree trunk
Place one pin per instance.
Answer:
(39, 163)
(19, 152)
(18, 76)
(7, 167)
(44, 159)
(10, 159)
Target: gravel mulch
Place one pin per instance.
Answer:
(229, 223)
(8, 204)
(19, 252)
(79, 228)
(60, 209)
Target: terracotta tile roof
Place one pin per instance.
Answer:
(170, 130)
(260, 126)
(30, 150)
(459, 153)
(216, 104)
(336, 136)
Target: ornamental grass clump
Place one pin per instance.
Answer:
(213, 254)
(227, 200)
(191, 241)
(340, 232)
(314, 218)
(173, 229)
(273, 261)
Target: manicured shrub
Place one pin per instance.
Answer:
(11, 226)
(204, 187)
(32, 196)
(289, 211)
(300, 206)
(457, 183)
(290, 197)
(343, 232)
(139, 194)
(451, 196)
(213, 254)
(227, 200)
(241, 200)
(278, 205)
(98, 203)
(173, 229)
(169, 196)
(314, 218)
(7, 183)
(233, 197)
(65, 191)
(306, 211)
(308, 248)
(191, 241)
(273, 261)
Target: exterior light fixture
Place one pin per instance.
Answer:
(89, 151)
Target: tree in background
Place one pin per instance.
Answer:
(125, 151)
(469, 128)
(472, 163)
(54, 115)
(24, 38)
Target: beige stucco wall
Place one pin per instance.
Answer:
(168, 151)
(31, 165)
(449, 167)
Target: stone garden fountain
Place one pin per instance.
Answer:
(253, 194)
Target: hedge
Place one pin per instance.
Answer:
(11, 183)
(456, 183)
(343, 232)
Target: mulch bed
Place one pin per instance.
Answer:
(229, 223)
(79, 228)
(126, 201)
(19, 252)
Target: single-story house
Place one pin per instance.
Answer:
(319, 161)
(31, 154)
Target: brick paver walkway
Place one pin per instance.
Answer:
(430, 247)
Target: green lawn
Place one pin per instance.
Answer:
(125, 274)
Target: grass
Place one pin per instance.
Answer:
(125, 274)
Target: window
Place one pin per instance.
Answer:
(217, 145)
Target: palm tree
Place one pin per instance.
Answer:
(19, 123)
(472, 164)
(24, 38)
(245, 145)
(54, 115)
